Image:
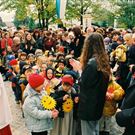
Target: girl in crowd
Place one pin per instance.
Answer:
(50, 80)
(66, 98)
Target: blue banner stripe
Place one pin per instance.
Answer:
(58, 8)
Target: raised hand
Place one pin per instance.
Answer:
(65, 97)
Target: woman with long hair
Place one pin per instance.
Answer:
(94, 82)
(29, 45)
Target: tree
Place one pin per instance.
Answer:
(77, 8)
(104, 15)
(126, 13)
(44, 10)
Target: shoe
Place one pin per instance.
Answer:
(5, 79)
(103, 133)
(17, 102)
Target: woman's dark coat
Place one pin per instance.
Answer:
(92, 92)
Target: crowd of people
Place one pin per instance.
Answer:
(92, 71)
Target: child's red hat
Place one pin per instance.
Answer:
(13, 62)
(35, 80)
(68, 79)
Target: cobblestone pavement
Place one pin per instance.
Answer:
(18, 124)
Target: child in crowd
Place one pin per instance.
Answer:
(31, 59)
(38, 52)
(40, 61)
(22, 60)
(15, 66)
(64, 124)
(23, 57)
(43, 69)
(15, 86)
(9, 57)
(24, 77)
(50, 61)
(60, 68)
(12, 75)
(38, 120)
(60, 56)
(114, 94)
(50, 80)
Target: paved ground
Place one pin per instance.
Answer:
(18, 124)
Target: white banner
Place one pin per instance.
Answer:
(63, 4)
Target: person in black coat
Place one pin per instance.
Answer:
(115, 35)
(131, 55)
(126, 116)
(94, 83)
(78, 42)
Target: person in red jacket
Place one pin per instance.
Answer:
(5, 42)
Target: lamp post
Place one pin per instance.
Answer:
(86, 20)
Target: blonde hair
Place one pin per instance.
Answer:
(133, 36)
(41, 60)
(127, 36)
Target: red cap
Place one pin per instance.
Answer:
(13, 62)
(68, 79)
(35, 80)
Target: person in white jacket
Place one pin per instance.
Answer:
(5, 115)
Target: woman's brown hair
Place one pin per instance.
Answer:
(94, 47)
(77, 31)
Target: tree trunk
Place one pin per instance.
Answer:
(47, 23)
(81, 12)
(39, 14)
(42, 14)
(81, 20)
(47, 20)
(39, 19)
(43, 22)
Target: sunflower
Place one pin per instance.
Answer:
(48, 102)
(67, 105)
